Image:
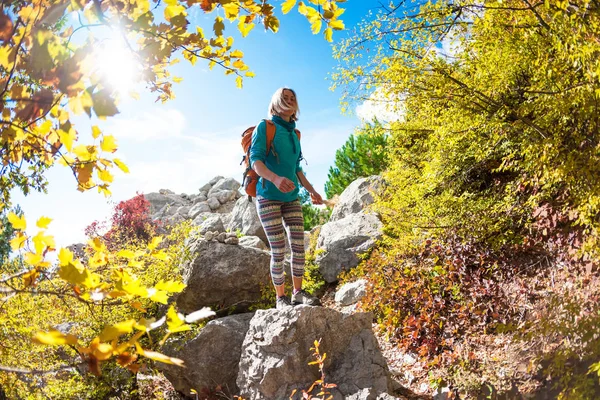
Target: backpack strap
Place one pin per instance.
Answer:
(270, 128)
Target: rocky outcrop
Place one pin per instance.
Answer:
(356, 197)
(211, 358)
(223, 276)
(216, 197)
(244, 218)
(277, 351)
(342, 242)
(352, 230)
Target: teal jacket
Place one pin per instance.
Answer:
(283, 159)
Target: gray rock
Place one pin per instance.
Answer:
(159, 200)
(205, 188)
(209, 236)
(184, 211)
(277, 350)
(351, 292)
(215, 180)
(357, 196)
(212, 223)
(211, 358)
(198, 208)
(253, 241)
(213, 203)
(370, 394)
(223, 196)
(232, 240)
(245, 218)
(228, 184)
(198, 199)
(221, 276)
(221, 237)
(343, 240)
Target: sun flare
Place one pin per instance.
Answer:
(115, 63)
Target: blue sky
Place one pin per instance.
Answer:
(180, 145)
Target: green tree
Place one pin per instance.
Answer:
(364, 154)
(6, 234)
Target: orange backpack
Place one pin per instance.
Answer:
(250, 177)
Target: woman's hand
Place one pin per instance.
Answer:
(316, 198)
(283, 184)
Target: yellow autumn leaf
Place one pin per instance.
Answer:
(328, 35)
(41, 242)
(337, 25)
(43, 222)
(236, 54)
(175, 322)
(121, 165)
(155, 242)
(17, 222)
(108, 144)
(65, 256)
(160, 255)
(135, 288)
(159, 296)
(77, 274)
(105, 175)
(82, 152)
(18, 242)
(287, 6)
(239, 82)
(126, 254)
(104, 190)
(244, 28)
(117, 330)
(33, 259)
(96, 244)
(173, 11)
(170, 286)
(96, 132)
(316, 26)
(153, 355)
(54, 337)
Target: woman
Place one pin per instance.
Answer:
(277, 193)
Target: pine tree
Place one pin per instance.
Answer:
(362, 155)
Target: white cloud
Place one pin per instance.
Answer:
(386, 108)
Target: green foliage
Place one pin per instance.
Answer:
(6, 235)
(364, 154)
(496, 156)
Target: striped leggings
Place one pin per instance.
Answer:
(273, 214)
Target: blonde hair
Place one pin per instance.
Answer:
(278, 104)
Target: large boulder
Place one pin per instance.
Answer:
(229, 184)
(245, 218)
(351, 292)
(211, 358)
(356, 197)
(277, 350)
(253, 241)
(342, 241)
(159, 201)
(222, 276)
